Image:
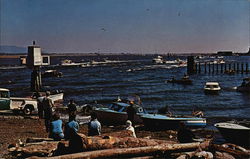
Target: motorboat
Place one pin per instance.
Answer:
(69, 63)
(212, 88)
(185, 81)
(234, 132)
(158, 121)
(116, 113)
(51, 73)
(245, 85)
(158, 60)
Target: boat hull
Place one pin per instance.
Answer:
(152, 121)
(236, 136)
(185, 82)
(110, 117)
(56, 97)
(243, 89)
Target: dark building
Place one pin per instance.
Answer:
(224, 53)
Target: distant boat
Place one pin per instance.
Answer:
(69, 63)
(157, 121)
(234, 133)
(212, 88)
(184, 81)
(52, 73)
(158, 60)
(245, 85)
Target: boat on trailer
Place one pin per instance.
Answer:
(158, 121)
(116, 113)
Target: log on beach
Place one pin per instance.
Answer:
(47, 148)
(129, 152)
(232, 149)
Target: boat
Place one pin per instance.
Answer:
(234, 132)
(185, 81)
(116, 113)
(51, 73)
(69, 63)
(245, 85)
(158, 60)
(158, 121)
(56, 97)
(212, 88)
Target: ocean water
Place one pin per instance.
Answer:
(136, 75)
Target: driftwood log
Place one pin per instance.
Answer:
(48, 148)
(232, 149)
(129, 152)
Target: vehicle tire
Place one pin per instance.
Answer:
(27, 110)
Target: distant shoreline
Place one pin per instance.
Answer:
(6, 55)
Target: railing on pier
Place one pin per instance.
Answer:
(230, 67)
(227, 67)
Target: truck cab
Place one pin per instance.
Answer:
(5, 101)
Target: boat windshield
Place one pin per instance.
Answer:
(211, 86)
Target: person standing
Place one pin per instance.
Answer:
(94, 126)
(47, 108)
(39, 99)
(72, 110)
(131, 112)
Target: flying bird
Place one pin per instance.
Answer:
(103, 29)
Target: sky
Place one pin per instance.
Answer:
(127, 26)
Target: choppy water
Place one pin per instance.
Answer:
(137, 75)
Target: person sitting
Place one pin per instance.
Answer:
(130, 127)
(71, 128)
(197, 113)
(56, 131)
(185, 135)
(94, 126)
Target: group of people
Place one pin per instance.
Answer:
(53, 123)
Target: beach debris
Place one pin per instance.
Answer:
(122, 144)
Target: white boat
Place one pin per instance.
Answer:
(234, 133)
(116, 114)
(56, 97)
(245, 86)
(69, 63)
(212, 88)
(51, 73)
(157, 121)
(158, 60)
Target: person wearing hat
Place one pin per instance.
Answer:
(130, 127)
(47, 108)
(131, 112)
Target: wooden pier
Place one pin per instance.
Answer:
(217, 68)
(226, 68)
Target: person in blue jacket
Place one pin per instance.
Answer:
(56, 130)
(71, 128)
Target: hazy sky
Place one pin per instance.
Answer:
(137, 26)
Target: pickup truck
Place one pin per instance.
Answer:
(16, 104)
